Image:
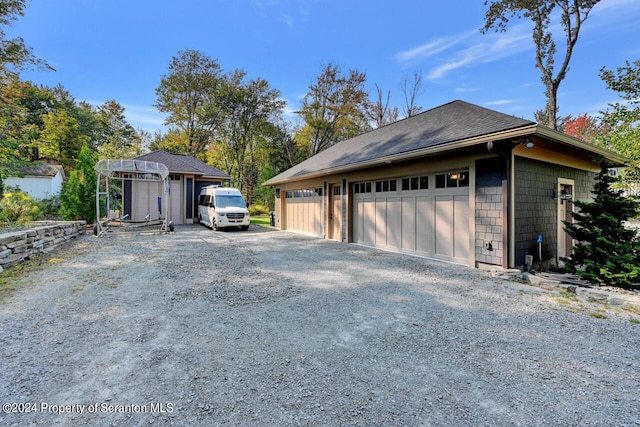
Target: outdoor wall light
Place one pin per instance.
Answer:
(456, 176)
(527, 142)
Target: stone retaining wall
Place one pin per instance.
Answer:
(18, 246)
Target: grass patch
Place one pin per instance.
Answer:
(633, 320)
(598, 315)
(10, 279)
(261, 220)
(632, 308)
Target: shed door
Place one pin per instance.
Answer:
(176, 206)
(409, 215)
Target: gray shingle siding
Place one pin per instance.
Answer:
(489, 210)
(536, 211)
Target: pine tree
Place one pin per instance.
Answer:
(605, 251)
(78, 197)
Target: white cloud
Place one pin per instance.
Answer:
(485, 48)
(500, 102)
(432, 47)
(144, 117)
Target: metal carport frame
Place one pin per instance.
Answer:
(139, 170)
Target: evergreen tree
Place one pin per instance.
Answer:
(605, 251)
(78, 197)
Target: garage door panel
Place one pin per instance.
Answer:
(461, 229)
(369, 221)
(394, 223)
(424, 225)
(408, 223)
(443, 223)
(380, 222)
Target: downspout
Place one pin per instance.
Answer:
(504, 150)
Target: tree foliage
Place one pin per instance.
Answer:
(623, 118)
(335, 108)
(78, 196)
(192, 94)
(572, 15)
(585, 127)
(15, 55)
(116, 138)
(605, 252)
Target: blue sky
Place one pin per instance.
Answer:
(119, 49)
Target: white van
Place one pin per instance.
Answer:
(222, 207)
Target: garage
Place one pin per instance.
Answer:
(303, 211)
(426, 215)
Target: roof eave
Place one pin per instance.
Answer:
(409, 155)
(563, 138)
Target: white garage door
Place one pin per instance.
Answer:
(303, 211)
(426, 215)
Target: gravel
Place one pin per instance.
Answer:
(271, 328)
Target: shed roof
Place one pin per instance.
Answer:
(40, 170)
(181, 163)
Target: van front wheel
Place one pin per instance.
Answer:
(244, 227)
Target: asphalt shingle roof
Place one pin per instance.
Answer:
(455, 121)
(40, 169)
(184, 164)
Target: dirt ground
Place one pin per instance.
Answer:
(271, 328)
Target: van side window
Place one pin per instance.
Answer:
(201, 200)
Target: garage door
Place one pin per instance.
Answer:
(303, 211)
(426, 215)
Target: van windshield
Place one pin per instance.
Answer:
(230, 202)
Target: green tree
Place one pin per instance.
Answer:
(605, 252)
(191, 94)
(572, 15)
(624, 117)
(336, 108)
(14, 53)
(116, 137)
(78, 196)
(61, 138)
(249, 109)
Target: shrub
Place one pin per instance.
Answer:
(18, 207)
(605, 251)
(258, 209)
(78, 197)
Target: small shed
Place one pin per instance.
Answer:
(38, 180)
(187, 175)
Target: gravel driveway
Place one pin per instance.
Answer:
(271, 328)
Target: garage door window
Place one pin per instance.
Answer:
(452, 179)
(362, 187)
(386, 185)
(415, 183)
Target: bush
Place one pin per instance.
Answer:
(78, 197)
(605, 251)
(18, 207)
(258, 209)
